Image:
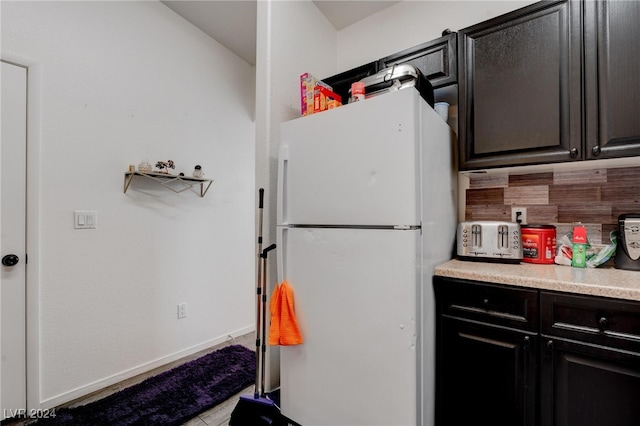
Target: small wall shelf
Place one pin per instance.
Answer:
(169, 181)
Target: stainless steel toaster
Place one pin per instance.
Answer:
(490, 240)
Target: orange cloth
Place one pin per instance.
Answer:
(283, 329)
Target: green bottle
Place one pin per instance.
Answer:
(579, 249)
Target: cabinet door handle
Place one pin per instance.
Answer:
(573, 153)
(596, 150)
(527, 342)
(603, 324)
(548, 351)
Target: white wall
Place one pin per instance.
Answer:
(119, 82)
(409, 23)
(293, 37)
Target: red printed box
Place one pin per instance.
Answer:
(324, 99)
(308, 84)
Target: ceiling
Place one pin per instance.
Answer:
(233, 22)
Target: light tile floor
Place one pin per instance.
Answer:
(217, 416)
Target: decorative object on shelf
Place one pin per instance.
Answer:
(197, 171)
(164, 166)
(144, 166)
(173, 183)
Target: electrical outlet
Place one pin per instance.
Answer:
(519, 215)
(182, 310)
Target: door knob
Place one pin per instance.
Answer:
(10, 260)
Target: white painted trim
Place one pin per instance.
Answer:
(34, 79)
(34, 108)
(143, 368)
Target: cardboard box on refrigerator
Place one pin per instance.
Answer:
(308, 84)
(324, 99)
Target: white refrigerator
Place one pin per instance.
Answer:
(366, 210)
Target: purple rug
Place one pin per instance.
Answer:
(172, 397)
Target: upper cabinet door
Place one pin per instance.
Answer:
(436, 59)
(520, 87)
(612, 82)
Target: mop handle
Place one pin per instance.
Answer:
(263, 255)
(267, 250)
(260, 207)
(258, 294)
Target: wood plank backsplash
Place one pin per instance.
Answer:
(594, 198)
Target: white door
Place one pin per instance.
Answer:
(355, 300)
(353, 165)
(12, 242)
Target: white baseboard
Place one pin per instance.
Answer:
(143, 368)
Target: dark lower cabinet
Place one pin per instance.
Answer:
(586, 385)
(486, 354)
(590, 361)
(489, 375)
(512, 356)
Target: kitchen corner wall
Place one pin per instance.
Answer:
(594, 197)
(293, 37)
(115, 82)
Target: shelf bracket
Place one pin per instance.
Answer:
(167, 181)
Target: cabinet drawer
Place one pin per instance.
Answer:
(607, 322)
(489, 303)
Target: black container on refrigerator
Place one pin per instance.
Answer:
(398, 77)
(341, 83)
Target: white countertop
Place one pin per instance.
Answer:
(605, 282)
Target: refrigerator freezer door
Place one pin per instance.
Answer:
(355, 301)
(353, 165)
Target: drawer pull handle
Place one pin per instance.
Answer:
(485, 302)
(603, 323)
(487, 311)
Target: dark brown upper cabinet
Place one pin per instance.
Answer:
(520, 81)
(436, 59)
(612, 78)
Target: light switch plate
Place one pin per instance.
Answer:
(85, 219)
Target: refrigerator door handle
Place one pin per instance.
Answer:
(281, 251)
(283, 163)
